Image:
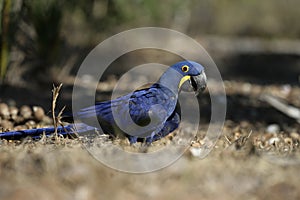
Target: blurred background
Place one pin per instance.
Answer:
(256, 47)
(44, 42)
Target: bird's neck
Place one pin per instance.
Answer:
(171, 79)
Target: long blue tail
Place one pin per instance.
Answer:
(37, 133)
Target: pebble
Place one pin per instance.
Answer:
(26, 112)
(288, 141)
(30, 124)
(286, 90)
(20, 127)
(196, 152)
(246, 88)
(18, 119)
(38, 113)
(244, 124)
(6, 124)
(295, 136)
(13, 112)
(4, 111)
(273, 140)
(273, 128)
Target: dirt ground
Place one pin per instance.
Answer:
(256, 157)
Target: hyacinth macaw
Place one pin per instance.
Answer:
(149, 114)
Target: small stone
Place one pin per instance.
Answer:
(273, 128)
(18, 119)
(4, 111)
(47, 120)
(244, 124)
(30, 124)
(286, 90)
(196, 152)
(38, 113)
(295, 136)
(273, 140)
(13, 112)
(6, 124)
(20, 127)
(246, 88)
(26, 112)
(288, 141)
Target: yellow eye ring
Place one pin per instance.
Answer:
(185, 68)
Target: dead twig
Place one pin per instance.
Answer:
(56, 120)
(238, 143)
(282, 106)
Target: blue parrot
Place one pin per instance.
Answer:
(148, 114)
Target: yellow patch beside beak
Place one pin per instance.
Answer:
(183, 79)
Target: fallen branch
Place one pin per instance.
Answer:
(282, 106)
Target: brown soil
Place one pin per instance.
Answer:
(256, 157)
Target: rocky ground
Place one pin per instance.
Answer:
(256, 157)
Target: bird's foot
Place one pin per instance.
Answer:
(132, 139)
(150, 139)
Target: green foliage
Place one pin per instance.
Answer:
(84, 23)
(9, 20)
(46, 16)
(4, 56)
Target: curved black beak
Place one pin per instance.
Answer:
(198, 83)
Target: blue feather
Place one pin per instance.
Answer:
(149, 114)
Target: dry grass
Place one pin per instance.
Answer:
(65, 170)
(246, 163)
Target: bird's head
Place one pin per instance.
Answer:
(192, 76)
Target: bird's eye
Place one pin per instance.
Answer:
(185, 68)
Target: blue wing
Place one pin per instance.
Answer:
(153, 105)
